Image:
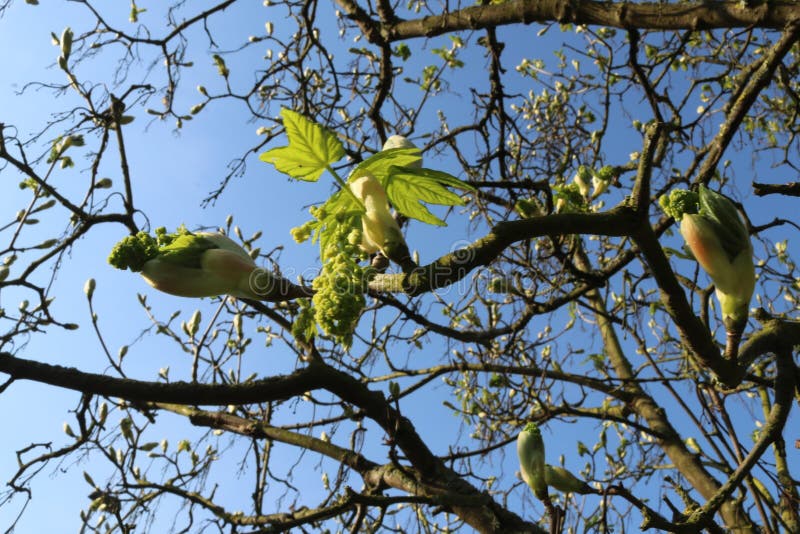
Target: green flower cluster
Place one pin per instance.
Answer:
(678, 202)
(339, 289)
(133, 251)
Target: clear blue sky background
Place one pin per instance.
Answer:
(172, 172)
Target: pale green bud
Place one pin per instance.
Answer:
(380, 230)
(88, 288)
(562, 480)
(582, 180)
(68, 430)
(66, 42)
(530, 450)
(398, 141)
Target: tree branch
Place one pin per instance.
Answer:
(452, 267)
(784, 390)
(623, 15)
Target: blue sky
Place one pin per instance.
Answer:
(173, 171)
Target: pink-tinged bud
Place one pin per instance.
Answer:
(720, 243)
(224, 270)
(200, 264)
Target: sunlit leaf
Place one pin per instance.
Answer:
(407, 188)
(311, 148)
(380, 164)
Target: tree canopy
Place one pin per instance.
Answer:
(484, 266)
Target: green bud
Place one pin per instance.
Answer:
(582, 180)
(126, 426)
(88, 288)
(562, 480)
(220, 64)
(68, 430)
(379, 228)
(66, 43)
(237, 325)
(530, 450)
(194, 323)
(46, 244)
(4, 271)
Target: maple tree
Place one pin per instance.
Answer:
(501, 270)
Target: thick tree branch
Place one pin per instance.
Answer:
(623, 15)
(316, 375)
(267, 389)
(452, 267)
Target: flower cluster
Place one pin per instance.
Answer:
(339, 288)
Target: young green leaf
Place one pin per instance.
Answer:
(379, 165)
(407, 188)
(311, 148)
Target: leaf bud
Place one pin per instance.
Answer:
(66, 43)
(88, 288)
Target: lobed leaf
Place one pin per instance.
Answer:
(407, 188)
(311, 148)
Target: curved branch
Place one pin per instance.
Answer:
(452, 267)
